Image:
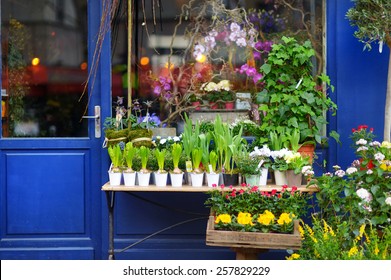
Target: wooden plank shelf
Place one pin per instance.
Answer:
(187, 188)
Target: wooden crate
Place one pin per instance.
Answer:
(253, 240)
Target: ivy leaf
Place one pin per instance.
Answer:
(265, 68)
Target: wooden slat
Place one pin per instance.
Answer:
(254, 240)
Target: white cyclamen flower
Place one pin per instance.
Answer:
(361, 142)
(340, 173)
(364, 194)
(351, 170)
(379, 156)
(362, 148)
(388, 201)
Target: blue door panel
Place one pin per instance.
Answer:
(47, 193)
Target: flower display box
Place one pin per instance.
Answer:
(248, 244)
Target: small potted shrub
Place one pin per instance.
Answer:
(144, 174)
(197, 175)
(129, 173)
(160, 174)
(176, 174)
(115, 171)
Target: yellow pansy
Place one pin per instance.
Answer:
(245, 218)
(266, 218)
(285, 218)
(294, 256)
(224, 218)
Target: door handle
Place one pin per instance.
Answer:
(97, 121)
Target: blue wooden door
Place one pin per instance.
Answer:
(51, 157)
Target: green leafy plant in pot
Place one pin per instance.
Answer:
(292, 97)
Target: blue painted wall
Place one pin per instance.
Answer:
(359, 78)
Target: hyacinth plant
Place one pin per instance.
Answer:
(116, 156)
(129, 154)
(254, 210)
(176, 152)
(144, 154)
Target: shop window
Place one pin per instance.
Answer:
(44, 68)
(155, 22)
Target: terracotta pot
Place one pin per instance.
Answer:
(307, 150)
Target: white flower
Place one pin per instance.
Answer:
(379, 156)
(162, 141)
(361, 142)
(364, 194)
(340, 173)
(176, 139)
(388, 201)
(336, 167)
(369, 171)
(362, 148)
(280, 154)
(263, 152)
(375, 144)
(307, 170)
(351, 170)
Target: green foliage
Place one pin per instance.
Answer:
(176, 154)
(190, 136)
(196, 157)
(160, 157)
(373, 20)
(144, 153)
(116, 155)
(292, 98)
(129, 154)
(213, 159)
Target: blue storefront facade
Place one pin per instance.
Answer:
(64, 214)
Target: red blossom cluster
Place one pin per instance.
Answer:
(361, 127)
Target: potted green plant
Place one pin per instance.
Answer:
(176, 174)
(197, 175)
(160, 174)
(128, 173)
(296, 162)
(248, 167)
(212, 174)
(292, 97)
(115, 171)
(144, 174)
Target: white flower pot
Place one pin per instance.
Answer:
(213, 179)
(263, 177)
(129, 179)
(115, 178)
(161, 179)
(196, 179)
(252, 180)
(143, 179)
(176, 179)
(280, 178)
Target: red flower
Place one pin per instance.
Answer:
(274, 191)
(233, 193)
(241, 191)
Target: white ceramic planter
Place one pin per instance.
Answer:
(263, 177)
(176, 179)
(213, 179)
(280, 178)
(252, 180)
(161, 179)
(196, 179)
(129, 179)
(143, 179)
(115, 178)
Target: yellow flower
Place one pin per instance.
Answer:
(301, 230)
(376, 250)
(285, 218)
(245, 218)
(294, 256)
(266, 218)
(309, 229)
(361, 232)
(224, 218)
(353, 251)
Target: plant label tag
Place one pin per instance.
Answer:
(189, 166)
(299, 83)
